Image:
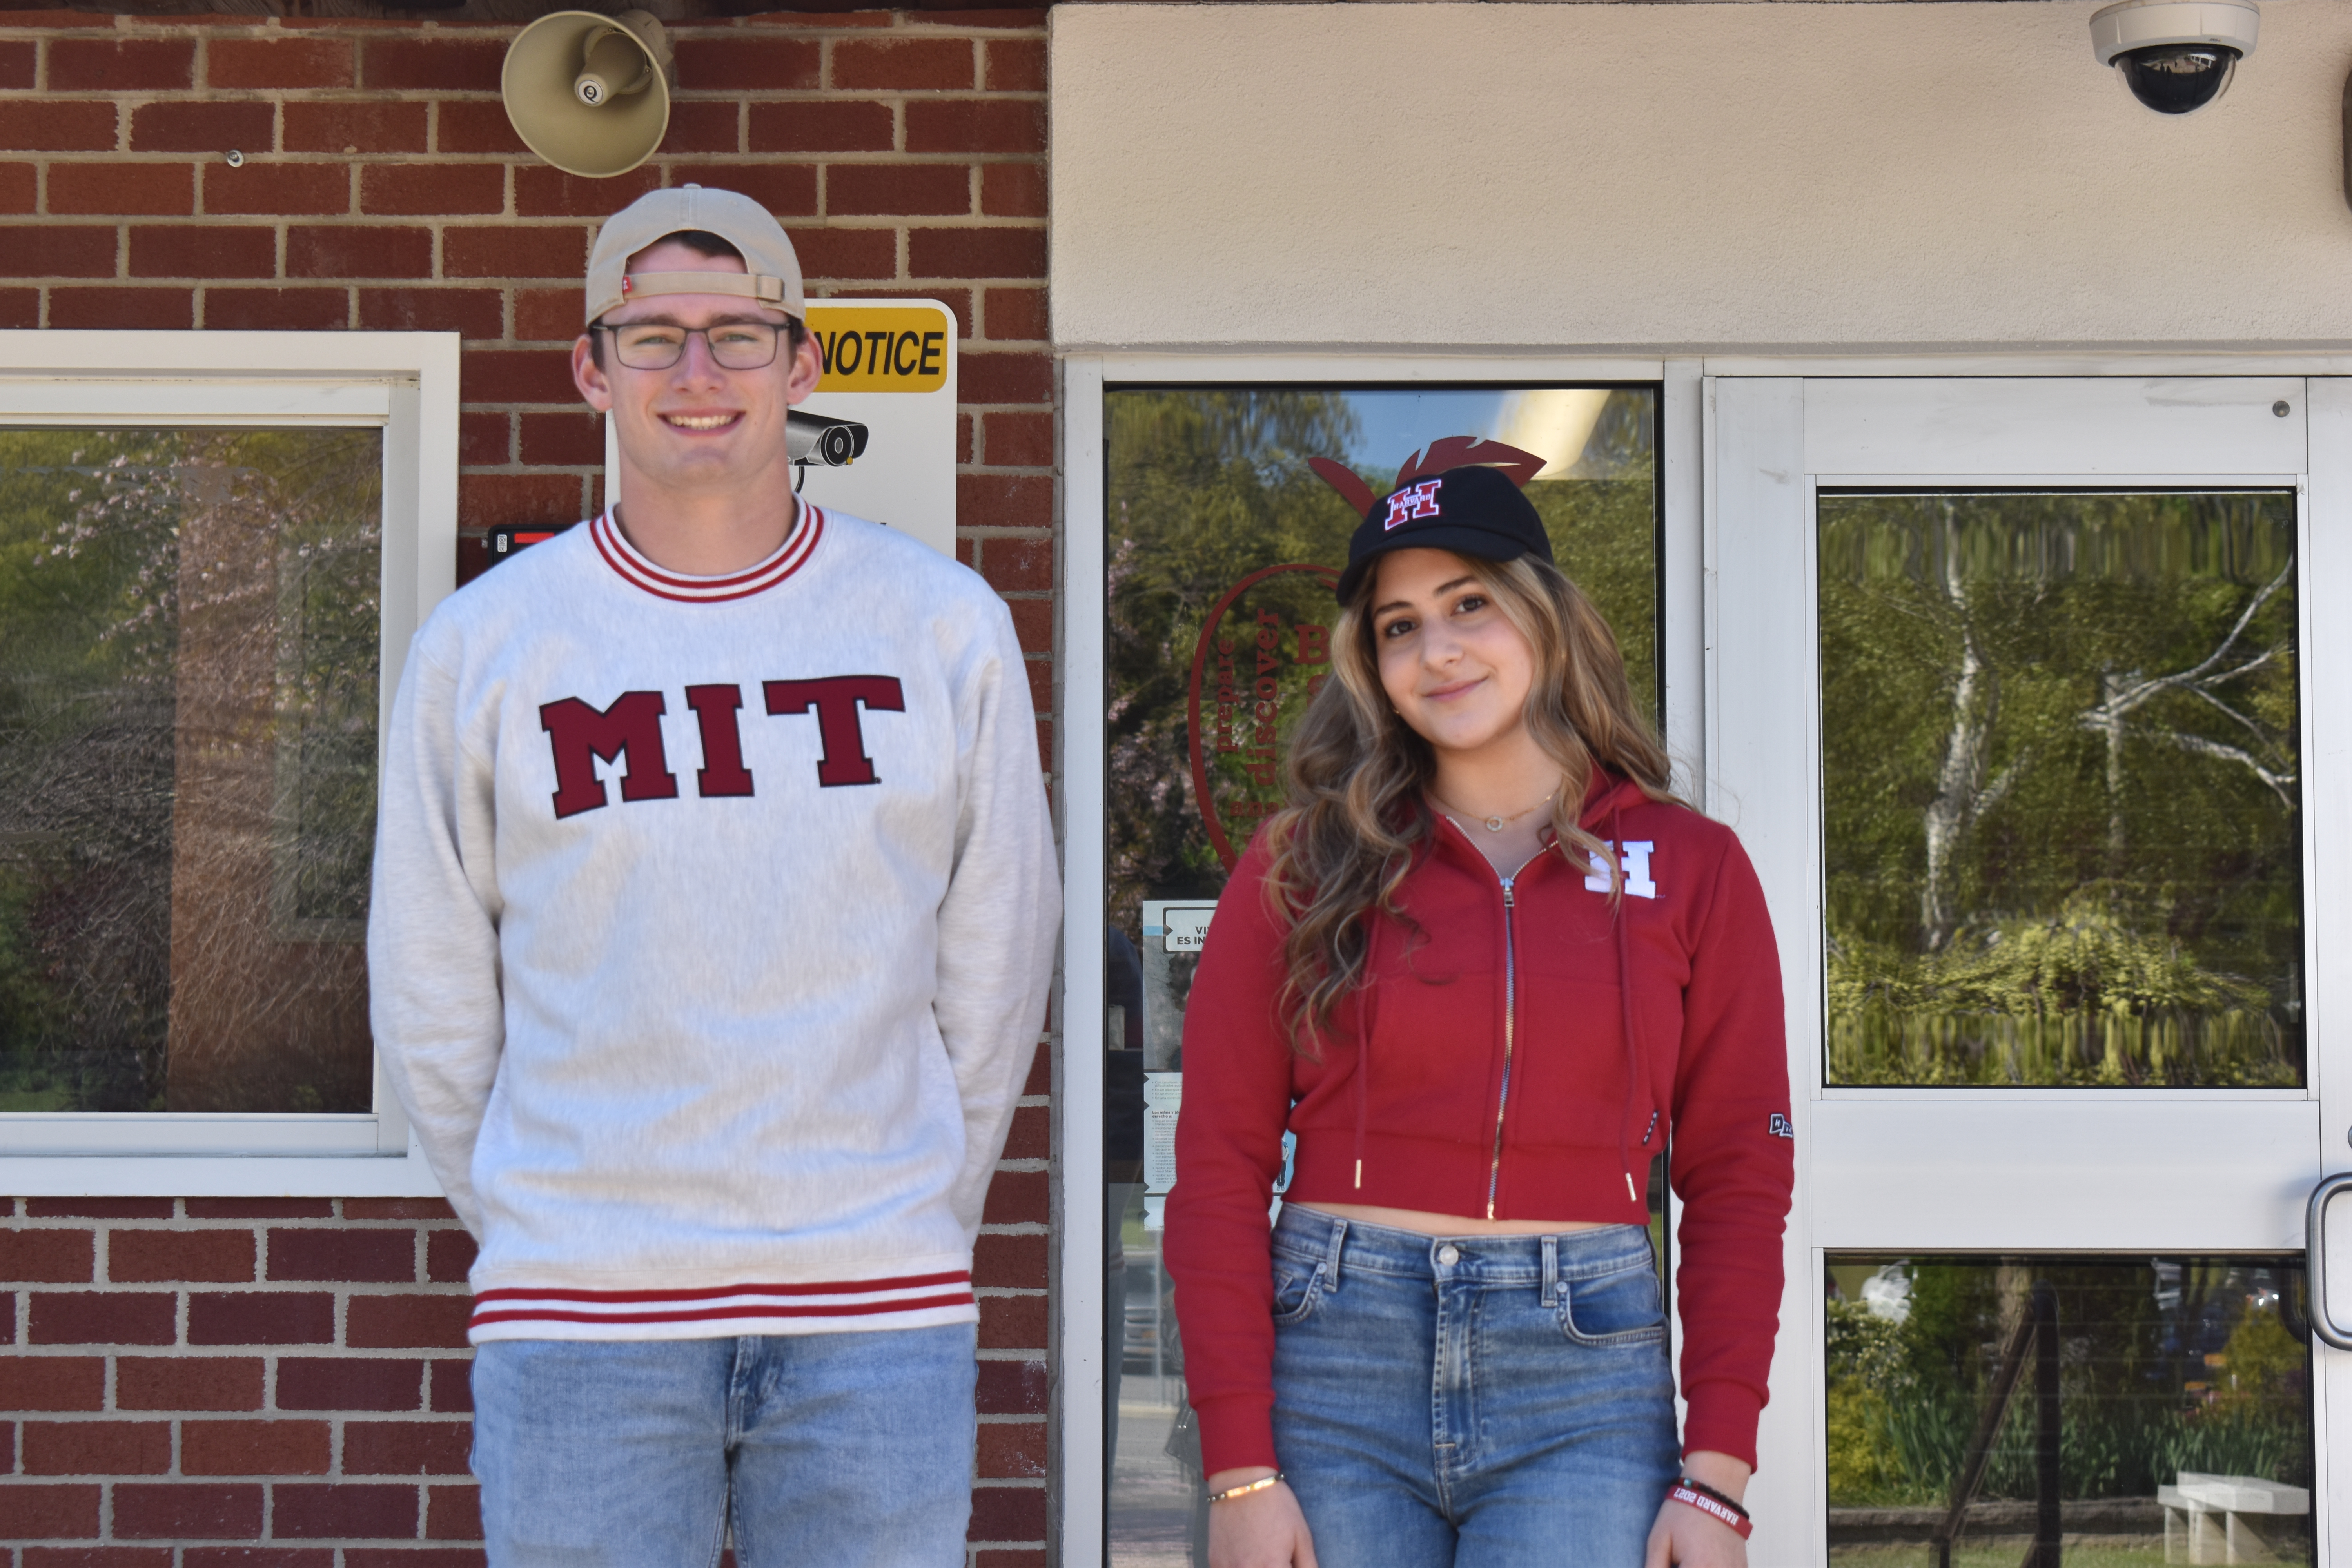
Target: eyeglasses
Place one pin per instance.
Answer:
(735, 345)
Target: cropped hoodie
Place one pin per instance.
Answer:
(1521, 1049)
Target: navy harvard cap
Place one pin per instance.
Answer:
(1472, 511)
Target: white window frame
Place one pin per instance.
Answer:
(405, 384)
(1078, 1099)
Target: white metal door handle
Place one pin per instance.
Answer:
(2315, 1259)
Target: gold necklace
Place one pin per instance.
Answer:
(1491, 823)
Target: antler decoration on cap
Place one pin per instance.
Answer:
(1451, 452)
(1346, 480)
(1460, 451)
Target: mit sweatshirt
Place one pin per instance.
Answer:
(1521, 1051)
(712, 924)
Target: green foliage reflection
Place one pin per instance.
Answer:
(2061, 789)
(2166, 1365)
(188, 621)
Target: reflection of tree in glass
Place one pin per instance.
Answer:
(106, 728)
(2165, 1366)
(328, 630)
(2059, 746)
(88, 629)
(1205, 488)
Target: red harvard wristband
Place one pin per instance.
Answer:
(1710, 1506)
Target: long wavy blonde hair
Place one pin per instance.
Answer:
(1359, 775)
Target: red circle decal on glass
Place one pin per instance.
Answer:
(1260, 659)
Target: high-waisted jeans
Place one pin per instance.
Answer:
(1471, 1401)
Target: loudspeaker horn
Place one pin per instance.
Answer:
(588, 93)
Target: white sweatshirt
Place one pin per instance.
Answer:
(712, 924)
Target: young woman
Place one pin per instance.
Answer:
(1483, 965)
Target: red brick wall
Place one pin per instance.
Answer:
(268, 1384)
(200, 1371)
(214, 1374)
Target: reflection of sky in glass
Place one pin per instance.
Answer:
(1553, 422)
(1395, 425)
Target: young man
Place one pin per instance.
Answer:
(715, 904)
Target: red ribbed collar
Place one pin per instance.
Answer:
(790, 557)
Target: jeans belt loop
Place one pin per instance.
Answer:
(1550, 1271)
(1331, 1260)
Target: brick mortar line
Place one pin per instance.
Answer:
(210, 1222)
(359, 92)
(901, 23)
(779, 25)
(834, 96)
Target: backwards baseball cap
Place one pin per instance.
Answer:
(771, 272)
(1471, 509)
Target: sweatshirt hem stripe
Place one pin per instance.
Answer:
(788, 1307)
(879, 1318)
(716, 1314)
(725, 1292)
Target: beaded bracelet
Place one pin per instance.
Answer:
(1247, 1487)
(1712, 1503)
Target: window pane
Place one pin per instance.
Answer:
(2135, 1411)
(2061, 789)
(1222, 550)
(188, 698)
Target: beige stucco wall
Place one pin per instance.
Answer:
(1683, 176)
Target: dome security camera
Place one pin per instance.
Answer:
(2176, 55)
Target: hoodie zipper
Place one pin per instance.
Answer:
(1510, 1008)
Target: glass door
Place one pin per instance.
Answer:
(1221, 547)
(2018, 692)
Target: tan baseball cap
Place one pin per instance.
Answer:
(772, 271)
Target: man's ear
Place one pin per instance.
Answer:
(588, 377)
(808, 369)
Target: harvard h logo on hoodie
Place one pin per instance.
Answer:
(1634, 856)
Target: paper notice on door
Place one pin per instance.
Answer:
(1163, 1094)
(1187, 926)
(1176, 926)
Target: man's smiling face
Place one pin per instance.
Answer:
(698, 423)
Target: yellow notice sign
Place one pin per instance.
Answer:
(890, 350)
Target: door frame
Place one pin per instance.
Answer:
(1690, 612)
(1767, 465)
(1078, 1501)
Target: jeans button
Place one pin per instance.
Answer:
(1449, 1255)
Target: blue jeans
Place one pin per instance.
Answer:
(1471, 1401)
(832, 1450)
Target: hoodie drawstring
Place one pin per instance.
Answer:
(1625, 1000)
(1369, 1012)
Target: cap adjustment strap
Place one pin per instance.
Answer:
(754, 286)
(767, 290)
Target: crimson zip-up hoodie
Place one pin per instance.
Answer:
(1522, 1050)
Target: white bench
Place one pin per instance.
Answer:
(2210, 1519)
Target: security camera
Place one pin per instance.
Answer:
(2176, 55)
(826, 443)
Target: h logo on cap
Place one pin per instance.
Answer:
(1414, 501)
